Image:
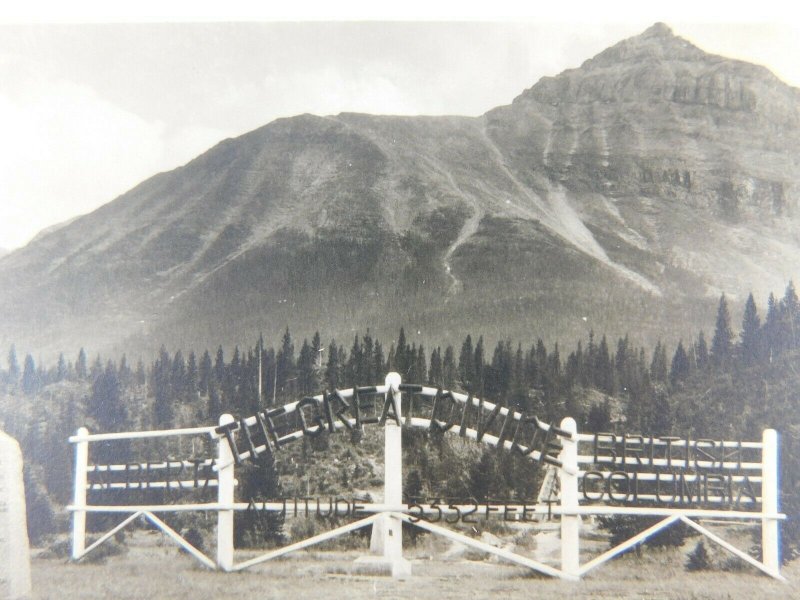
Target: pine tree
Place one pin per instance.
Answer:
(219, 366)
(658, 367)
(621, 358)
(192, 377)
(204, 373)
(751, 334)
(354, 367)
(699, 559)
(30, 380)
(701, 352)
(421, 367)
(466, 364)
(790, 321)
(268, 374)
(61, 368)
(124, 373)
(306, 373)
(379, 366)
(96, 368)
(518, 396)
(531, 369)
(680, 365)
(603, 373)
(411, 375)
(541, 363)
(435, 370)
(368, 375)
(13, 366)
(401, 354)
(449, 369)
(140, 376)
(80, 365)
(162, 405)
(342, 360)
(332, 367)
(106, 405)
(599, 419)
(230, 380)
(480, 364)
(285, 365)
(771, 328)
(178, 377)
(722, 343)
(316, 346)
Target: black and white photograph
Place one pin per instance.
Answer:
(362, 303)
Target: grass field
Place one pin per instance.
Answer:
(152, 568)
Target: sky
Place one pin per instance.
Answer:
(93, 103)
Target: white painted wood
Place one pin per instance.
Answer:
(386, 539)
(570, 519)
(506, 554)
(322, 537)
(106, 536)
(79, 494)
(181, 542)
(616, 550)
(663, 462)
(225, 489)
(588, 438)
(144, 467)
(770, 535)
(186, 484)
(154, 508)
(379, 507)
(387, 516)
(15, 565)
(138, 435)
(665, 512)
(733, 549)
(690, 477)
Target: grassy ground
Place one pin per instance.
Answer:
(151, 568)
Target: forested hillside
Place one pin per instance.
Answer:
(729, 385)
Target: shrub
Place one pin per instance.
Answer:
(622, 528)
(698, 559)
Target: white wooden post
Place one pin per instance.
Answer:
(387, 531)
(570, 521)
(393, 473)
(225, 485)
(770, 538)
(79, 494)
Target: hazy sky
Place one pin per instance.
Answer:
(88, 111)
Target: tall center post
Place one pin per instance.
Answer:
(386, 542)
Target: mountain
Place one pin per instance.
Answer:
(624, 196)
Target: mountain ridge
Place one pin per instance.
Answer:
(622, 195)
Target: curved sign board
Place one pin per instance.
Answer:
(422, 407)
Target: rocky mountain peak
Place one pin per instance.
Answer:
(659, 66)
(656, 43)
(658, 30)
(626, 193)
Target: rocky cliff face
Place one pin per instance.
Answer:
(624, 195)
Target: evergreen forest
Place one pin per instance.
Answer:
(731, 384)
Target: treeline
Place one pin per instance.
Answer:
(533, 379)
(729, 386)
